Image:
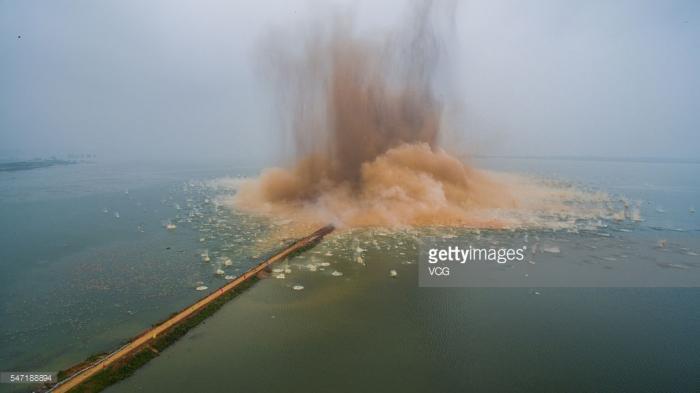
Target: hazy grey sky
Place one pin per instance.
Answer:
(153, 79)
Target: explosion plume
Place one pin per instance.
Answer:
(365, 116)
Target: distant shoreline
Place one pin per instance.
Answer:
(33, 164)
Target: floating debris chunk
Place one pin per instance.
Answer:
(219, 272)
(227, 261)
(672, 266)
(324, 264)
(360, 260)
(170, 226)
(393, 273)
(116, 215)
(229, 277)
(336, 273)
(202, 288)
(298, 287)
(551, 249)
(281, 276)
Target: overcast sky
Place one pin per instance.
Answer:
(154, 79)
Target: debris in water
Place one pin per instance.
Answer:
(230, 277)
(360, 260)
(281, 276)
(336, 273)
(219, 272)
(672, 266)
(116, 215)
(202, 288)
(298, 287)
(393, 273)
(662, 243)
(170, 226)
(551, 249)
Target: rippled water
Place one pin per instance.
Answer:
(363, 330)
(79, 280)
(88, 262)
(366, 331)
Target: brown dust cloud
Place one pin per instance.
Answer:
(364, 116)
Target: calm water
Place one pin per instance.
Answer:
(79, 280)
(87, 262)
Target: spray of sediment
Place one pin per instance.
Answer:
(364, 116)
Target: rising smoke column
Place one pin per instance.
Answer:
(355, 97)
(365, 121)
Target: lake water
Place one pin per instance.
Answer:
(79, 280)
(87, 261)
